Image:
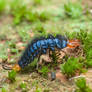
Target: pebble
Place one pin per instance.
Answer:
(53, 76)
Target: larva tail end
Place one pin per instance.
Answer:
(16, 67)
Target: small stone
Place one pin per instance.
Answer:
(53, 75)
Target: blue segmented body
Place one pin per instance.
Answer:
(39, 46)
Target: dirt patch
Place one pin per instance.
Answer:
(87, 3)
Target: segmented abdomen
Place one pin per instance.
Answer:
(39, 46)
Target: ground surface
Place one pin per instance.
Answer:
(9, 34)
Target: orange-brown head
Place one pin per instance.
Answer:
(73, 43)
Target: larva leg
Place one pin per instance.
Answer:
(37, 66)
(49, 52)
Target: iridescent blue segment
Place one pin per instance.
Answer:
(32, 50)
(35, 46)
(64, 43)
(50, 42)
(39, 47)
(52, 48)
(28, 53)
(44, 45)
(58, 43)
(38, 44)
(46, 42)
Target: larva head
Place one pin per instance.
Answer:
(16, 67)
(73, 43)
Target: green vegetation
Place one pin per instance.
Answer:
(37, 2)
(31, 16)
(12, 47)
(4, 90)
(4, 57)
(24, 36)
(12, 75)
(21, 12)
(2, 5)
(73, 10)
(44, 71)
(86, 39)
(12, 44)
(3, 54)
(43, 16)
(14, 4)
(82, 86)
(71, 66)
(18, 9)
(38, 89)
(46, 90)
(39, 28)
(23, 86)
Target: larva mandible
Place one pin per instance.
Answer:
(39, 46)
